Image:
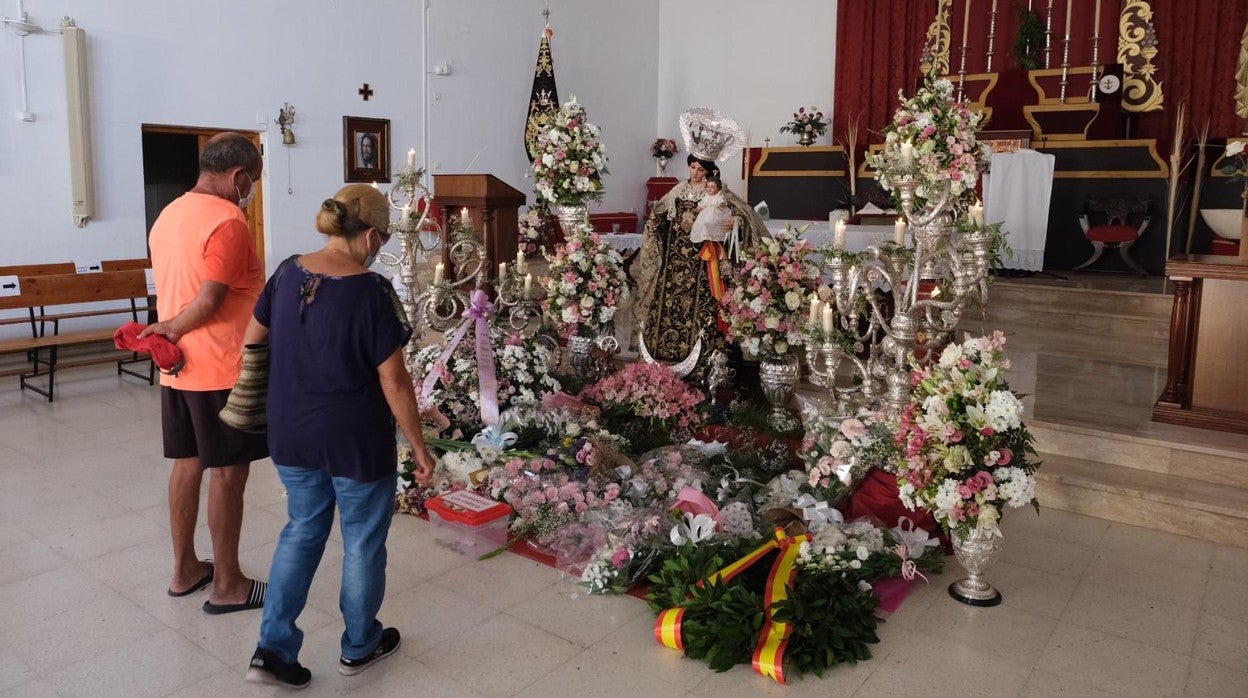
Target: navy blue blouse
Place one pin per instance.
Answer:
(327, 336)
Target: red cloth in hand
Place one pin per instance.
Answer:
(166, 354)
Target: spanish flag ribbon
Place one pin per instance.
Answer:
(711, 254)
(769, 652)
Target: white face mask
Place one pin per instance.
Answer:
(245, 201)
(368, 261)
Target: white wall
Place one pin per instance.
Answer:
(754, 61)
(228, 63)
(605, 52)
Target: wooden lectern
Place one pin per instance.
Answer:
(493, 208)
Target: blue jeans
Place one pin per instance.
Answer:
(366, 509)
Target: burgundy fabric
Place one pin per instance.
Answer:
(879, 498)
(879, 44)
(166, 354)
(1113, 233)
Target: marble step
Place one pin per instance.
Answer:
(1068, 342)
(1072, 299)
(1124, 325)
(1152, 450)
(1171, 503)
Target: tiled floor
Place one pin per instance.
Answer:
(1091, 608)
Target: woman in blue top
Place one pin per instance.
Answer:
(337, 386)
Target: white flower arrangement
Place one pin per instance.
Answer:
(570, 158)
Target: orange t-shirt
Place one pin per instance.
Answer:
(197, 238)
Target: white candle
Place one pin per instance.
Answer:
(829, 318)
(528, 285)
(437, 274)
(502, 270)
(411, 158)
(899, 231)
(407, 211)
(520, 261)
(907, 153)
(1096, 32)
(977, 213)
(463, 214)
(1068, 20)
(966, 22)
(814, 310)
(839, 240)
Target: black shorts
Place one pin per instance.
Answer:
(192, 429)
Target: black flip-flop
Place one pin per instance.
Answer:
(200, 584)
(254, 600)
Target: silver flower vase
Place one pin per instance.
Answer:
(975, 552)
(806, 139)
(571, 218)
(779, 376)
(580, 357)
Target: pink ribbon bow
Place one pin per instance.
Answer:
(908, 569)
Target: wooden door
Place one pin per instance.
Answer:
(255, 211)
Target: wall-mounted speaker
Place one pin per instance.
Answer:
(77, 98)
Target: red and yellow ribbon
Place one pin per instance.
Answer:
(769, 652)
(711, 253)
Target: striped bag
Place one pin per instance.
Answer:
(245, 408)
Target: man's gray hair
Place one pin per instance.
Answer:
(226, 150)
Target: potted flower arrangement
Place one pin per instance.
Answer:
(663, 150)
(807, 125)
(570, 163)
(968, 455)
(648, 404)
(932, 138)
(585, 286)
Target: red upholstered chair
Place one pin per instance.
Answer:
(1122, 221)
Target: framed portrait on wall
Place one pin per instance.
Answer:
(365, 149)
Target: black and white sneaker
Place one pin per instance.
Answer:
(389, 643)
(267, 669)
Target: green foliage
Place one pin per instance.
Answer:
(721, 624)
(678, 576)
(1030, 40)
(833, 622)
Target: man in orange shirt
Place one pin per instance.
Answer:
(208, 278)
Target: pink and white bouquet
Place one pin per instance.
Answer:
(663, 148)
(546, 496)
(968, 455)
(933, 139)
(649, 395)
(586, 285)
(570, 159)
(532, 231)
(806, 121)
(762, 309)
(838, 453)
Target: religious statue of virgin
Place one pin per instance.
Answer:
(680, 276)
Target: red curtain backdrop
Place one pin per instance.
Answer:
(879, 43)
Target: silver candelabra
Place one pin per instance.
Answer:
(881, 336)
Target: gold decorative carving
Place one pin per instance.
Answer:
(1137, 46)
(1241, 78)
(935, 56)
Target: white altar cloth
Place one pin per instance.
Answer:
(1017, 191)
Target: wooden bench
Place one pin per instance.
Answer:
(41, 291)
(38, 317)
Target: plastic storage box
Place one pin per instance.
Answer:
(468, 522)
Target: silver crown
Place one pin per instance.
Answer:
(709, 135)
